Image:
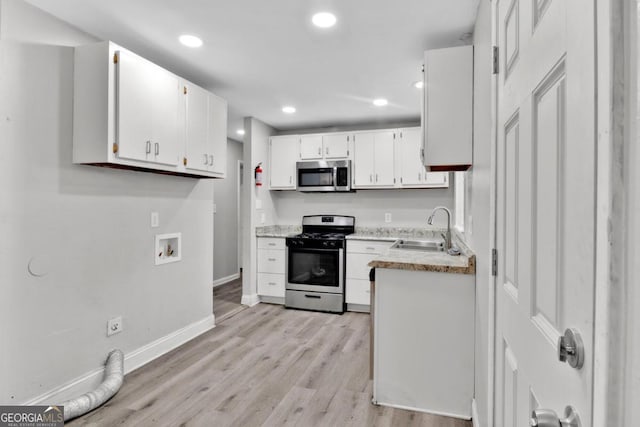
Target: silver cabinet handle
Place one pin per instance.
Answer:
(376, 177)
(157, 148)
(326, 151)
(271, 259)
(370, 178)
(206, 159)
(419, 177)
(272, 244)
(148, 150)
(272, 283)
(548, 418)
(369, 248)
(319, 151)
(211, 159)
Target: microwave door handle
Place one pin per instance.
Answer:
(335, 178)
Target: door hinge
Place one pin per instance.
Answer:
(184, 161)
(496, 60)
(115, 58)
(494, 262)
(184, 90)
(115, 147)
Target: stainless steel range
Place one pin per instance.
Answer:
(315, 263)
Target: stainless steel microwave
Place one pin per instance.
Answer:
(324, 176)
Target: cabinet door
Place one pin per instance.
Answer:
(412, 171)
(336, 146)
(217, 142)
(148, 102)
(384, 158)
(134, 114)
(283, 154)
(448, 107)
(363, 160)
(165, 99)
(197, 128)
(310, 147)
(437, 179)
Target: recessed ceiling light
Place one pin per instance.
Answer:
(240, 131)
(419, 84)
(324, 19)
(380, 102)
(190, 41)
(289, 109)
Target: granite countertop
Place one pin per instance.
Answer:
(278, 230)
(406, 259)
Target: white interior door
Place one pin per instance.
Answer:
(545, 205)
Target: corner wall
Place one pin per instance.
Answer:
(480, 229)
(258, 201)
(77, 246)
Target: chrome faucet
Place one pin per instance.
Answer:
(447, 235)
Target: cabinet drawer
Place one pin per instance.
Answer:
(368, 246)
(271, 243)
(358, 292)
(357, 267)
(271, 261)
(271, 284)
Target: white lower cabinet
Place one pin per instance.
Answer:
(359, 254)
(271, 265)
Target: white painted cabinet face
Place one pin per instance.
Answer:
(410, 170)
(147, 111)
(336, 146)
(374, 159)
(311, 147)
(205, 134)
(283, 154)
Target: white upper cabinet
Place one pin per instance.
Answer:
(373, 159)
(131, 113)
(205, 137)
(311, 147)
(148, 103)
(328, 146)
(448, 108)
(410, 171)
(336, 145)
(283, 154)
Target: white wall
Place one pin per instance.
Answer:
(256, 150)
(77, 244)
(478, 231)
(408, 208)
(225, 223)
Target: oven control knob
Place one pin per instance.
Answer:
(325, 244)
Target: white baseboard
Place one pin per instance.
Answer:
(272, 300)
(250, 300)
(475, 418)
(225, 280)
(426, 411)
(132, 361)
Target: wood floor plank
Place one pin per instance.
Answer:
(265, 366)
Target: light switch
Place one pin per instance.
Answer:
(387, 217)
(258, 204)
(263, 218)
(155, 219)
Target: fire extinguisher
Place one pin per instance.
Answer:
(258, 175)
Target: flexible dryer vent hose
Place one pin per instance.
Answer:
(113, 379)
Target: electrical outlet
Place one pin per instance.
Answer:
(387, 217)
(155, 219)
(114, 326)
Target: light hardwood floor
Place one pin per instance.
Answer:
(265, 366)
(226, 300)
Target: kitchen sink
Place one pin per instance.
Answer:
(420, 245)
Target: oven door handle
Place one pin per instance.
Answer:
(290, 249)
(335, 178)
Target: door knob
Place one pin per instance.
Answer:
(548, 418)
(571, 348)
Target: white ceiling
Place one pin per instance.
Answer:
(263, 54)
